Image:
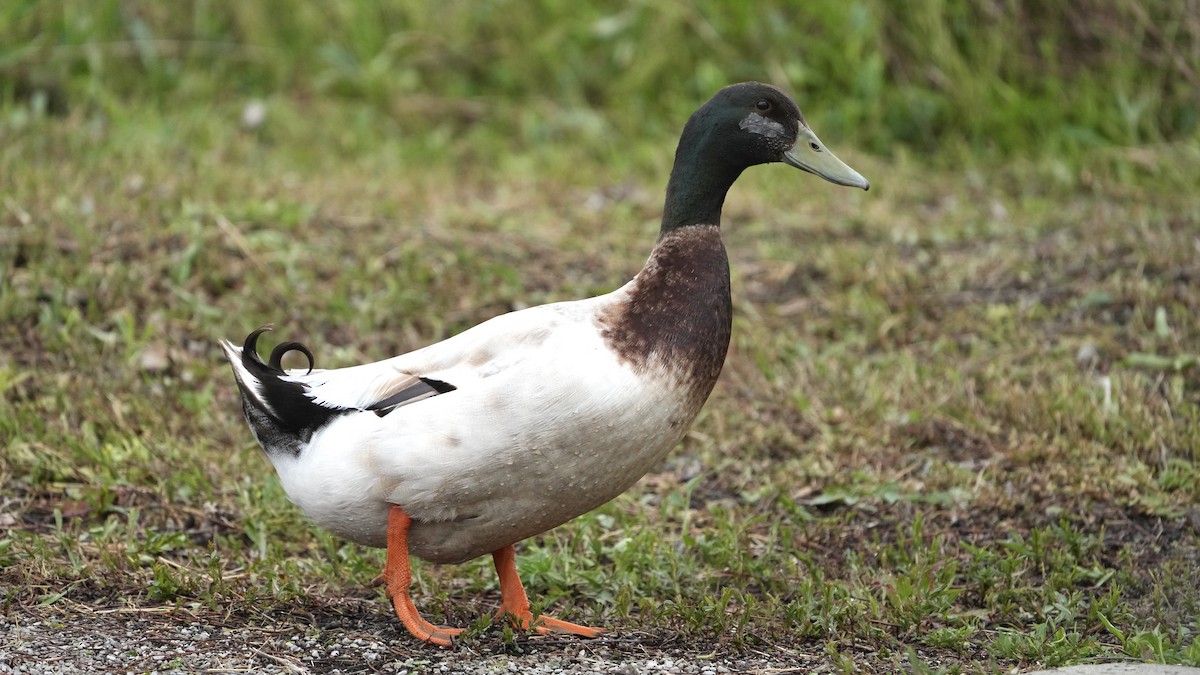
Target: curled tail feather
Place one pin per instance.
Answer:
(281, 412)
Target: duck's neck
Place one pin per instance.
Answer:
(675, 317)
(699, 182)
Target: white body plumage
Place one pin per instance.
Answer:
(546, 422)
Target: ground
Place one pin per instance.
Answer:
(958, 429)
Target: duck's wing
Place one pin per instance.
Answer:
(286, 409)
(440, 368)
(379, 387)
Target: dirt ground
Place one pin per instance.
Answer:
(349, 637)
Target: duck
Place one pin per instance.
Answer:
(521, 423)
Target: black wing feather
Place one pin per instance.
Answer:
(424, 389)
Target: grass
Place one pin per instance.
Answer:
(958, 430)
(1069, 77)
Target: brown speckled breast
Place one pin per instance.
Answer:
(678, 316)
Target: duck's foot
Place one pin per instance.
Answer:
(419, 627)
(397, 576)
(545, 624)
(514, 604)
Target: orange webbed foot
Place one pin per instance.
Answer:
(419, 627)
(514, 603)
(545, 625)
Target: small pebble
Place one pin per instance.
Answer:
(1087, 355)
(254, 114)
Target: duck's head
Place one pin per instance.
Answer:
(755, 123)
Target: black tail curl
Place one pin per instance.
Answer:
(279, 410)
(275, 362)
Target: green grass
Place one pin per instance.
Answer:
(958, 430)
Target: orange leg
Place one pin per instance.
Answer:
(398, 576)
(515, 604)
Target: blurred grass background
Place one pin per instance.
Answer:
(990, 77)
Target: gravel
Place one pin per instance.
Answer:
(175, 643)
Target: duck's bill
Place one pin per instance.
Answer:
(811, 155)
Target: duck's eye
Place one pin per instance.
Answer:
(763, 104)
